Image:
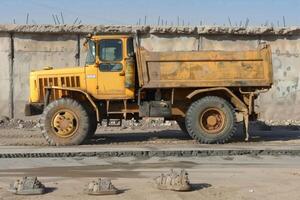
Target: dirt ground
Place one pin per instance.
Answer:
(212, 178)
(151, 131)
(217, 177)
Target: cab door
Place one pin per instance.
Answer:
(111, 74)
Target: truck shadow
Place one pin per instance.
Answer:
(200, 186)
(121, 137)
(258, 133)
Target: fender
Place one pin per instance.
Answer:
(89, 98)
(234, 99)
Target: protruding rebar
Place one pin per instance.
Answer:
(62, 18)
(27, 18)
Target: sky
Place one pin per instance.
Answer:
(187, 12)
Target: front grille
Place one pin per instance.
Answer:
(64, 81)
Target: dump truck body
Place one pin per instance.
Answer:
(204, 91)
(206, 69)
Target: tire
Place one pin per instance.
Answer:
(65, 122)
(92, 121)
(211, 120)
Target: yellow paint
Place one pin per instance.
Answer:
(100, 85)
(206, 68)
(54, 77)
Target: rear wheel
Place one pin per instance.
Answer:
(211, 120)
(65, 122)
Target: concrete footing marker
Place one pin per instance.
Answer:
(27, 186)
(102, 186)
(173, 181)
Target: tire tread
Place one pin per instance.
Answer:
(83, 117)
(201, 138)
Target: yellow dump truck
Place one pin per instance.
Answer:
(204, 91)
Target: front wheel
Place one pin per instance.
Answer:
(93, 124)
(65, 122)
(211, 120)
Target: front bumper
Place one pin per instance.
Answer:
(33, 109)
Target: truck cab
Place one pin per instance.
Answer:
(110, 67)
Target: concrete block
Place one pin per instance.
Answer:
(27, 186)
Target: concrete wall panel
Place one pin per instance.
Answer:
(35, 51)
(229, 43)
(83, 50)
(282, 101)
(169, 43)
(4, 73)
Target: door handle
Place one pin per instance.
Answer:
(122, 73)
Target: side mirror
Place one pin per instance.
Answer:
(131, 54)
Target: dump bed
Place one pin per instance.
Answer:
(205, 68)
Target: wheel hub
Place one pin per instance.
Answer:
(212, 120)
(64, 123)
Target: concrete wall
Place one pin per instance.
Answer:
(37, 46)
(283, 100)
(34, 51)
(4, 73)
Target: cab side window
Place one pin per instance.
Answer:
(111, 50)
(130, 49)
(110, 55)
